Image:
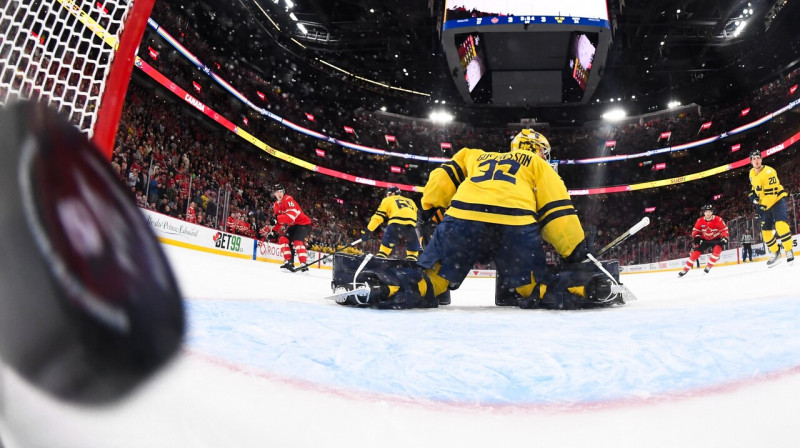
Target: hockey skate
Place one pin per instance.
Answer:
(790, 256)
(682, 273)
(775, 259)
(288, 265)
(707, 270)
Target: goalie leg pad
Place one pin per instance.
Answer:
(397, 288)
(565, 293)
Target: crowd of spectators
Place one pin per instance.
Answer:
(178, 163)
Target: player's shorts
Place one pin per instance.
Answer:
(775, 213)
(458, 243)
(297, 232)
(394, 233)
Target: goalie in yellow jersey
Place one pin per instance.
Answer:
(499, 207)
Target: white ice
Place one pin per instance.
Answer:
(706, 360)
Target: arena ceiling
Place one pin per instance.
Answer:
(687, 50)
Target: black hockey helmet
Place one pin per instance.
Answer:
(755, 153)
(708, 207)
(278, 187)
(393, 190)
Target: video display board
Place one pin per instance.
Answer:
(526, 52)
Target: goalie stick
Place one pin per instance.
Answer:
(305, 265)
(616, 287)
(359, 290)
(630, 232)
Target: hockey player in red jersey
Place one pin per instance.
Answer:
(290, 224)
(709, 231)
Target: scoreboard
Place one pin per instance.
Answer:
(514, 53)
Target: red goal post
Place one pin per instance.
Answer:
(77, 55)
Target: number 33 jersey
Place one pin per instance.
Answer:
(514, 188)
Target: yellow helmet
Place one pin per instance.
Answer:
(530, 140)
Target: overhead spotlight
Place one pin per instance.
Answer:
(673, 104)
(289, 4)
(383, 108)
(302, 28)
(740, 28)
(292, 16)
(371, 10)
(441, 117)
(614, 115)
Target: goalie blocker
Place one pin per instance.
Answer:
(349, 274)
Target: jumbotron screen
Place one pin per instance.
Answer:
(461, 13)
(526, 53)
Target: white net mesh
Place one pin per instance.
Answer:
(60, 51)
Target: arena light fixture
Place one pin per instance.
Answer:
(673, 104)
(614, 115)
(441, 117)
(302, 28)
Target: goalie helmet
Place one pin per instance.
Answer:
(530, 140)
(393, 190)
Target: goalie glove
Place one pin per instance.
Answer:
(579, 254)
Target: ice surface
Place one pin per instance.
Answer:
(704, 360)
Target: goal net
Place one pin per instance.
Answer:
(76, 55)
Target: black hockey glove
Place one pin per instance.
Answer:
(273, 221)
(579, 254)
(272, 235)
(723, 242)
(697, 241)
(434, 215)
(366, 234)
(753, 197)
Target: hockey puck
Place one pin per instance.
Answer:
(90, 306)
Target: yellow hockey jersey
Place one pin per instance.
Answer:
(767, 186)
(515, 188)
(395, 209)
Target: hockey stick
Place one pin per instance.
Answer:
(617, 287)
(637, 227)
(305, 265)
